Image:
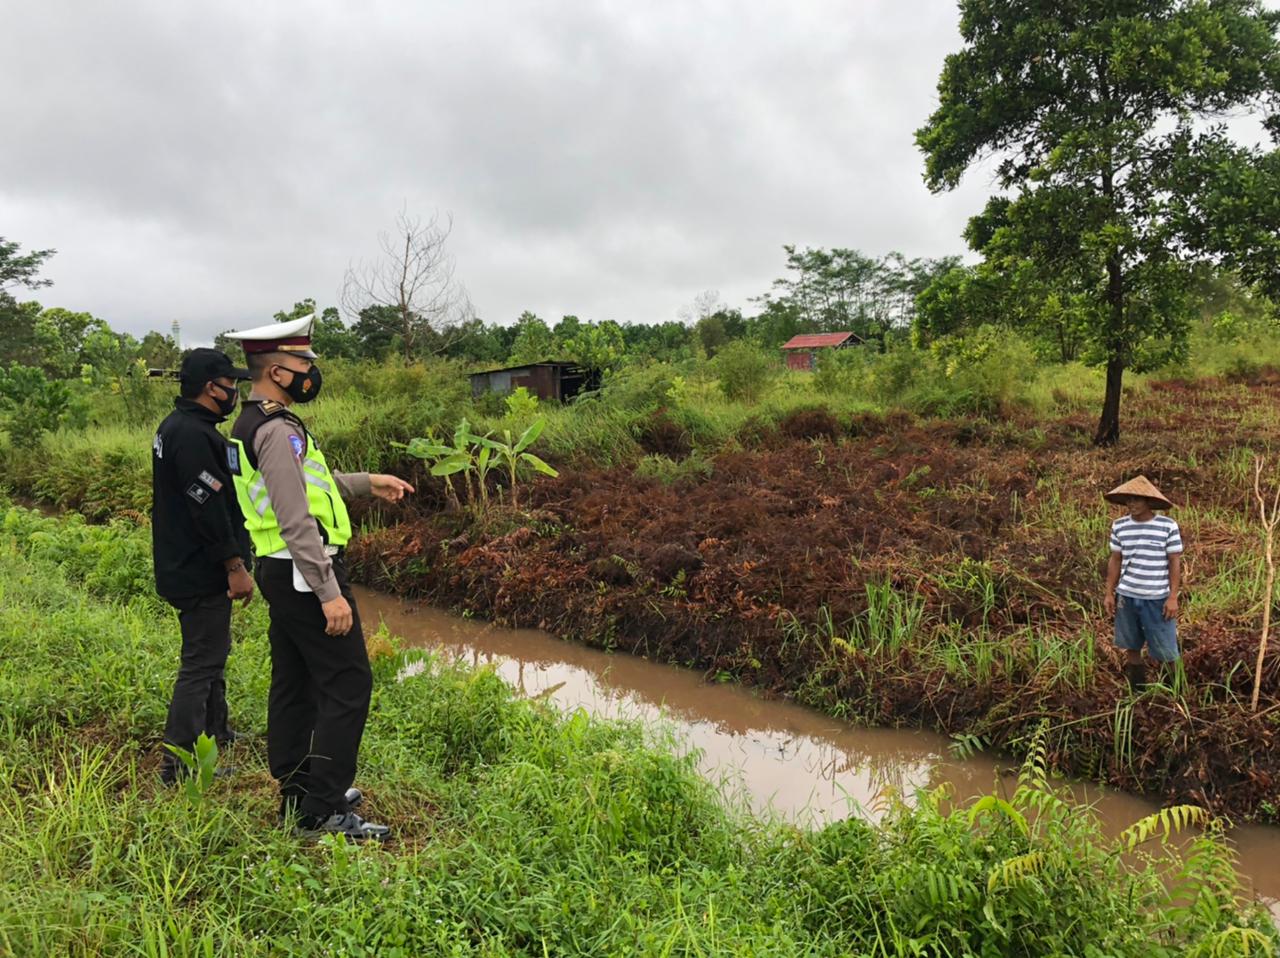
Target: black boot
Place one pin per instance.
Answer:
(1136, 673)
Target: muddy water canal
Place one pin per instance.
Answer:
(782, 757)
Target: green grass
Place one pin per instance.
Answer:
(524, 831)
(99, 472)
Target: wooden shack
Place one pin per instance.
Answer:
(551, 380)
(802, 351)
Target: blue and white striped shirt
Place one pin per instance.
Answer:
(1144, 549)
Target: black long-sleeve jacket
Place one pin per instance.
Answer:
(196, 524)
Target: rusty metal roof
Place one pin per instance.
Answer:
(816, 340)
(558, 364)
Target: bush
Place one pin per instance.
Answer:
(522, 406)
(893, 373)
(31, 404)
(841, 371)
(745, 371)
(643, 388)
(984, 373)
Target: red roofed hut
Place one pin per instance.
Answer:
(802, 351)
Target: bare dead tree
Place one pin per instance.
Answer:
(413, 282)
(703, 305)
(1270, 519)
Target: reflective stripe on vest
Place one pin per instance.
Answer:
(324, 502)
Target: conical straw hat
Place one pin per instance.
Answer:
(1138, 486)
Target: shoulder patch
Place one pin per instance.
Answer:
(299, 447)
(233, 459)
(199, 493)
(210, 480)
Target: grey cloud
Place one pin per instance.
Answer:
(214, 163)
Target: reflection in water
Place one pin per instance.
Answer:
(778, 756)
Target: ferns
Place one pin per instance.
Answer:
(1167, 821)
(1014, 870)
(1237, 941)
(1038, 841)
(1034, 773)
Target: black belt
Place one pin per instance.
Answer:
(336, 557)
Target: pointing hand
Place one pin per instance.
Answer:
(387, 487)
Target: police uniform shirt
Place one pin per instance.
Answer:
(278, 446)
(196, 523)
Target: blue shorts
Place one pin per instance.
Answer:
(1142, 621)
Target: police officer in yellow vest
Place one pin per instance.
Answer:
(293, 509)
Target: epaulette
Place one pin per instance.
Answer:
(271, 408)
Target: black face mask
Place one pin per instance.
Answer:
(227, 404)
(304, 387)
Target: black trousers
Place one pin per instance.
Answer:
(320, 688)
(199, 702)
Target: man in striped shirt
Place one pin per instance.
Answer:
(1143, 577)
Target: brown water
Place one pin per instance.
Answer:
(779, 756)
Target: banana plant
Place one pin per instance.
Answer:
(512, 455)
(475, 457)
(461, 457)
(431, 449)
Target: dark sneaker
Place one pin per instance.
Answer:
(291, 805)
(355, 828)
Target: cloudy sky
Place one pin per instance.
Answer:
(213, 163)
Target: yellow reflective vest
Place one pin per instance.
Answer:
(324, 501)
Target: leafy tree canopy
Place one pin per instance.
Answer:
(21, 269)
(1099, 116)
(534, 341)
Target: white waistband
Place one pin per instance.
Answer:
(284, 553)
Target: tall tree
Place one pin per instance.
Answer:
(159, 351)
(414, 284)
(17, 320)
(597, 347)
(705, 304)
(843, 290)
(329, 334)
(1233, 213)
(534, 342)
(21, 269)
(1089, 108)
(61, 335)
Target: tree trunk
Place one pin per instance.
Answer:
(1108, 433)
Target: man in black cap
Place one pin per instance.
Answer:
(200, 545)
